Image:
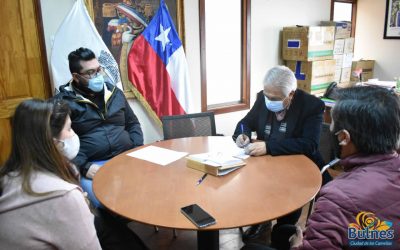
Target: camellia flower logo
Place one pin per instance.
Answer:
(369, 230)
(369, 220)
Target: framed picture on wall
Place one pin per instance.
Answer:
(120, 22)
(392, 20)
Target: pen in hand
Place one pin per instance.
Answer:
(201, 179)
(243, 136)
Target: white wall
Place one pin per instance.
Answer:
(369, 42)
(267, 19)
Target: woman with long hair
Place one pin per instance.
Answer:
(112, 231)
(41, 204)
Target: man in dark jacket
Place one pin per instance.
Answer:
(287, 121)
(100, 113)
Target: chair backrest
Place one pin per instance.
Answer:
(325, 145)
(179, 126)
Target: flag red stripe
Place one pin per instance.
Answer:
(149, 75)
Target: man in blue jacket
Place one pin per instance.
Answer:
(100, 113)
(287, 122)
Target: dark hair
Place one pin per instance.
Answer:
(33, 148)
(58, 117)
(75, 58)
(372, 117)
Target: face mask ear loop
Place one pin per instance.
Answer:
(342, 142)
(61, 142)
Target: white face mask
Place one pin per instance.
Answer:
(274, 106)
(70, 147)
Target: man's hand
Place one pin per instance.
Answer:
(242, 141)
(256, 149)
(92, 170)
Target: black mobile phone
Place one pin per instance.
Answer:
(198, 216)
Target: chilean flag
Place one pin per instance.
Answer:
(158, 69)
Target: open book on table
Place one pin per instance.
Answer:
(214, 163)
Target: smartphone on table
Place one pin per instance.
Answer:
(198, 216)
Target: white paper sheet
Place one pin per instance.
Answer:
(241, 154)
(216, 159)
(232, 150)
(157, 155)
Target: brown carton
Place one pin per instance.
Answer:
(313, 77)
(348, 45)
(367, 67)
(342, 29)
(307, 43)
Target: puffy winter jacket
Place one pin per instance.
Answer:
(366, 196)
(104, 133)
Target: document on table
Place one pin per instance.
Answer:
(157, 155)
(235, 151)
(241, 154)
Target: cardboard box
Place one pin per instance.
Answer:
(367, 67)
(338, 47)
(348, 45)
(342, 29)
(339, 61)
(347, 60)
(313, 77)
(307, 43)
(346, 84)
(345, 75)
(338, 73)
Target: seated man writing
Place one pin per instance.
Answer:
(287, 121)
(360, 208)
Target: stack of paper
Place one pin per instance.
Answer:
(214, 163)
(384, 84)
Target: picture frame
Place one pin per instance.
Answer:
(119, 22)
(392, 20)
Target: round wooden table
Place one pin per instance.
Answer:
(266, 188)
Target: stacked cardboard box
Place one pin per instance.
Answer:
(342, 29)
(344, 58)
(342, 51)
(367, 67)
(308, 51)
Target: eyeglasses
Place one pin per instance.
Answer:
(92, 73)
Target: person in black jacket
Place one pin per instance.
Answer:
(287, 121)
(100, 113)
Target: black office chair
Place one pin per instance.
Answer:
(190, 125)
(326, 150)
(325, 144)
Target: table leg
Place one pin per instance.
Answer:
(208, 240)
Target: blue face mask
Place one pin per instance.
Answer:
(274, 106)
(96, 84)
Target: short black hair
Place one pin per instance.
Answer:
(81, 54)
(372, 117)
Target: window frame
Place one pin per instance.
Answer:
(244, 102)
(353, 13)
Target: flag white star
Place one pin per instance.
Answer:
(163, 36)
